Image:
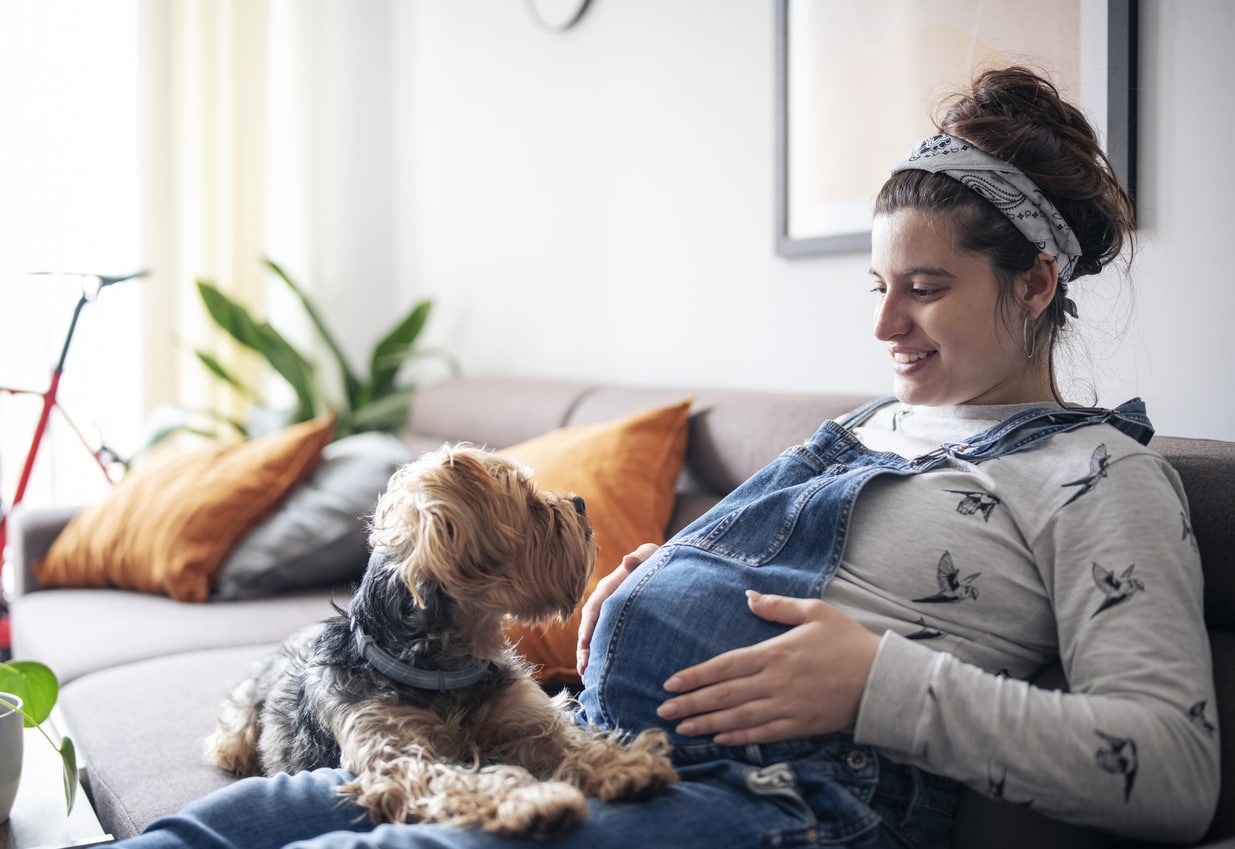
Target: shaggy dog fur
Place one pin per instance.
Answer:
(461, 539)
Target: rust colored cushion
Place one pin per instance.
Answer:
(168, 525)
(626, 471)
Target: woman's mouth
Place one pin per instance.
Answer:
(908, 362)
(906, 358)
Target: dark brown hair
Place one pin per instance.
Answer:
(1017, 115)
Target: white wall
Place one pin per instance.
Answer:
(599, 204)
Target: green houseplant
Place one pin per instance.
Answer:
(376, 401)
(37, 688)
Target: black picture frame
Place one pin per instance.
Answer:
(1119, 91)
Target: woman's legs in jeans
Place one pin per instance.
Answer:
(304, 811)
(717, 803)
(258, 813)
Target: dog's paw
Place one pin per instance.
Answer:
(385, 801)
(542, 810)
(641, 771)
(232, 751)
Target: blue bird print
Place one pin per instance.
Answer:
(1196, 713)
(1098, 462)
(996, 787)
(1115, 589)
(1188, 533)
(1119, 758)
(976, 502)
(924, 632)
(951, 586)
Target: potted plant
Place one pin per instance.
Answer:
(36, 689)
(374, 401)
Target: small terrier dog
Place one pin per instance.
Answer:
(416, 690)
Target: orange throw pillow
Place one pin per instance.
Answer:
(626, 471)
(168, 525)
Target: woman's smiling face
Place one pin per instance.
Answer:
(950, 339)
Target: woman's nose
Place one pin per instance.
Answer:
(890, 320)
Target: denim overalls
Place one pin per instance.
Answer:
(783, 531)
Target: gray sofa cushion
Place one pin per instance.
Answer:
(317, 535)
(92, 629)
(141, 726)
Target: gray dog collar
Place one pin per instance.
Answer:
(411, 674)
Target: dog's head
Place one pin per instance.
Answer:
(475, 524)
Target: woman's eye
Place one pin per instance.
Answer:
(916, 291)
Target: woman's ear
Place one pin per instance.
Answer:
(1037, 288)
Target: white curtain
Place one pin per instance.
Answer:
(204, 73)
(275, 129)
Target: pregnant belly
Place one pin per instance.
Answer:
(682, 607)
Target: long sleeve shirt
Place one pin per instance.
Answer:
(1077, 549)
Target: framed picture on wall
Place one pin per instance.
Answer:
(857, 84)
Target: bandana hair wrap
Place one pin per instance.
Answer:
(1007, 188)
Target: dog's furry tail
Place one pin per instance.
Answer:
(233, 743)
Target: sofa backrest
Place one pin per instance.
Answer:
(1207, 469)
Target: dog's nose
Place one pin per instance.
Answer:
(580, 506)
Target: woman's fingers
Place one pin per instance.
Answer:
(606, 587)
(808, 680)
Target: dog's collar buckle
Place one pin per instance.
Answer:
(411, 674)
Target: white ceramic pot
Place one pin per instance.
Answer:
(11, 737)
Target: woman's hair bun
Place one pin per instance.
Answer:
(1018, 115)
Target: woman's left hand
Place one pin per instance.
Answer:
(804, 682)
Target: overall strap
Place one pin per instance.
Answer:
(1031, 426)
(857, 417)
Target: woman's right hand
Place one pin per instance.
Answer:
(605, 588)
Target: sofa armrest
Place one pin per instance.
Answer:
(31, 531)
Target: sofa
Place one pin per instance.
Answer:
(142, 673)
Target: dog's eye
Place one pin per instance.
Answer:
(580, 506)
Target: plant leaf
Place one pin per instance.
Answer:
(35, 684)
(261, 337)
(218, 370)
(351, 383)
(452, 364)
(231, 317)
(377, 403)
(397, 359)
(292, 367)
(395, 348)
(190, 420)
(387, 413)
(160, 435)
(68, 754)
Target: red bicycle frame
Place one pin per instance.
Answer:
(91, 286)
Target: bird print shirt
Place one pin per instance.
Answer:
(979, 576)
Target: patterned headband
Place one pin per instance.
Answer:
(1005, 186)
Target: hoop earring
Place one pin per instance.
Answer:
(1029, 339)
